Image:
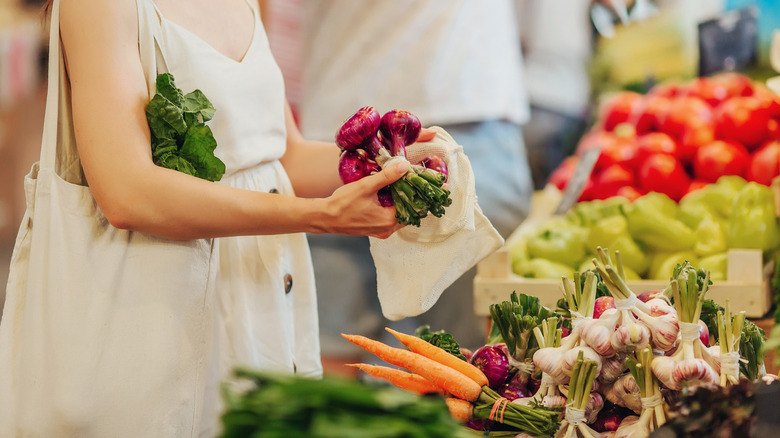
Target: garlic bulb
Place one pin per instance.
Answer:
(633, 427)
(570, 357)
(664, 329)
(597, 333)
(630, 336)
(662, 367)
(595, 404)
(625, 392)
(611, 369)
(694, 372)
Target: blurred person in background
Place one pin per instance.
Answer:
(557, 79)
(453, 63)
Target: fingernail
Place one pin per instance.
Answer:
(402, 167)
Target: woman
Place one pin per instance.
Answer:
(157, 371)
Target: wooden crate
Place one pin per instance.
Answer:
(747, 287)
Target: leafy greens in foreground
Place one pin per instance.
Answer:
(180, 138)
(270, 405)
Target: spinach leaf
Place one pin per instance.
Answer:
(180, 139)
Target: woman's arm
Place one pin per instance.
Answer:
(311, 165)
(109, 97)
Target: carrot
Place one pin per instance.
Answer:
(407, 381)
(461, 410)
(444, 377)
(440, 355)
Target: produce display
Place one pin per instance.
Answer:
(679, 137)
(370, 142)
(605, 363)
(654, 233)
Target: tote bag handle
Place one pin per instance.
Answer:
(57, 128)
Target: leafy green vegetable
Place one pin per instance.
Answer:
(180, 139)
(440, 339)
(272, 406)
(513, 322)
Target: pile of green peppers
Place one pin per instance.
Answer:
(654, 233)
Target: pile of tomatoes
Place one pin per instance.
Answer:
(679, 137)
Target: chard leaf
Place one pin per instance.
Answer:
(197, 103)
(166, 120)
(198, 149)
(166, 87)
(180, 139)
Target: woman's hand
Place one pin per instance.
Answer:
(354, 208)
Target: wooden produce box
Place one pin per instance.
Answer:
(747, 287)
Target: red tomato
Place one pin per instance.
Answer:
(650, 113)
(667, 89)
(684, 112)
(743, 120)
(765, 163)
(562, 174)
(655, 143)
(630, 192)
(609, 180)
(769, 100)
(696, 185)
(665, 174)
(594, 138)
(711, 91)
(619, 108)
(720, 158)
(695, 135)
(736, 84)
(621, 151)
(773, 127)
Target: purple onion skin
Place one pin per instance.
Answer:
(385, 198)
(372, 145)
(513, 391)
(358, 129)
(437, 163)
(352, 165)
(480, 424)
(399, 129)
(493, 362)
(608, 420)
(371, 166)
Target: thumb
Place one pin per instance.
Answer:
(386, 176)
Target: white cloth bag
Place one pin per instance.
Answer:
(104, 331)
(416, 264)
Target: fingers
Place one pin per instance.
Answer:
(386, 176)
(426, 134)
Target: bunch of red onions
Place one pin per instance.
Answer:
(370, 143)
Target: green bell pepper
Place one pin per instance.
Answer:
(558, 241)
(663, 263)
(717, 264)
(753, 223)
(653, 220)
(710, 236)
(543, 268)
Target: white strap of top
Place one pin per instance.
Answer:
(49, 141)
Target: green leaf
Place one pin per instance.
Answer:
(166, 87)
(166, 120)
(196, 102)
(173, 161)
(198, 149)
(440, 339)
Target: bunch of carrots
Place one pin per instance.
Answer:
(431, 369)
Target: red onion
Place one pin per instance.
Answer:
(437, 163)
(358, 129)
(516, 387)
(352, 165)
(608, 420)
(385, 197)
(493, 362)
(399, 129)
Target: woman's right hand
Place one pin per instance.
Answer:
(354, 208)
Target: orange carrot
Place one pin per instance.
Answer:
(461, 410)
(407, 381)
(440, 355)
(444, 377)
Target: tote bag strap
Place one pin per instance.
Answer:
(58, 143)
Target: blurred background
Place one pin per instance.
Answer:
(575, 54)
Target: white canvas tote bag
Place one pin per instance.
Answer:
(104, 332)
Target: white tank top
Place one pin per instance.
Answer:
(250, 129)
